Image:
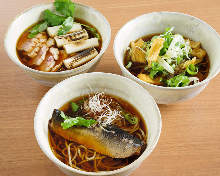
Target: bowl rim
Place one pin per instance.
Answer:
(56, 161)
(205, 81)
(81, 68)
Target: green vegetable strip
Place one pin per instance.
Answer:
(93, 31)
(74, 107)
(168, 36)
(131, 119)
(156, 69)
(129, 65)
(192, 69)
(37, 29)
(66, 26)
(65, 7)
(178, 81)
(77, 121)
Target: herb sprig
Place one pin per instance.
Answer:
(66, 26)
(168, 36)
(62, 16)
(77, 121)
(37, 29)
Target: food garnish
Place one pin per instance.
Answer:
(168, 59)
(77, 121)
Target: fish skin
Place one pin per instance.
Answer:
(109, 140)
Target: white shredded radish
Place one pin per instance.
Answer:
(165, 65)
(95, 103)
(98, 104)
(108, 116)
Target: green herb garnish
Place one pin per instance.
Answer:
(156, 69)
(129, 65)
(65, 7)
(154, 37)
(168, 36)
(192, 69)
(93, 31)
(37, 29)
(66, 26)
(179, 59)
(178, 81)
(130, 118)
(74, 107)
(52, 19)
(77, 121)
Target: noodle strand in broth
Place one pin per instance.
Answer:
(80, 157)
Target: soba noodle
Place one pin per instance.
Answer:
(80, 157)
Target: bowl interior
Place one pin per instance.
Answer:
(90, 83)
(32, 15)
(156, 22)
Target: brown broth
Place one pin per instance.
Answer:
(137, 68)
(24, 59)
(108, 162)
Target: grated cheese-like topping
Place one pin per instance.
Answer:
(174, 50)
(108, 116)
(95, 103)
(98, 104)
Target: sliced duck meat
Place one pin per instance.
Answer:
(48, 63)
(59, 62)
(54, 52)
(50, 42)
(36, 61)
(31, 47)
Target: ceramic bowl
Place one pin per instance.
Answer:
(90, 83)
(31, 16)
(184, 24)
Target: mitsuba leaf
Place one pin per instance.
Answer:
(52, 19)
(37, 29)
(66, 26)
(77, 121)
(65, 7)
(74, 107)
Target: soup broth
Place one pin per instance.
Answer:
(39, 55)
(172, 68)
(78, 155)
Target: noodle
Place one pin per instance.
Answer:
(80, 157)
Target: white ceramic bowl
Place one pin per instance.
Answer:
(31, 16)
(186, 25)
(90, 83)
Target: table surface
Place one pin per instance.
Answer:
(190, 138)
